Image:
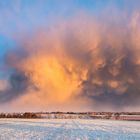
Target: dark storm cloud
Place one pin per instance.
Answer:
(18, 85)
(115, 84)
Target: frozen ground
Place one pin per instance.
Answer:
(64, 129)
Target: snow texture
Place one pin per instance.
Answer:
(68, 129)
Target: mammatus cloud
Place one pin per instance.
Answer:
(84, 63)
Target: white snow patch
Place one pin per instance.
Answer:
(68, 129)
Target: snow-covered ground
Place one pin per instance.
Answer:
(68, 129)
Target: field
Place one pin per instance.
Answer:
(68, 129)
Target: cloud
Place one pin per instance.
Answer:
(18, 84)
(84, 61)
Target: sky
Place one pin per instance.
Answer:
(69, 55)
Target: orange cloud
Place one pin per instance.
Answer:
(81, 63)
